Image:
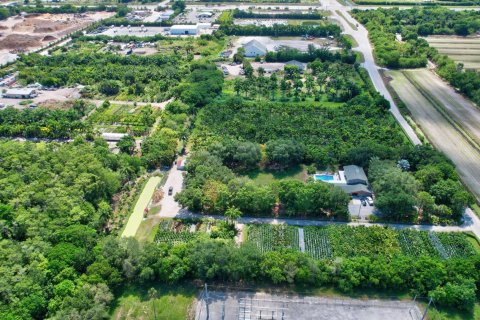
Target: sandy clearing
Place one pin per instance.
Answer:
(440, 132)
(461, 110)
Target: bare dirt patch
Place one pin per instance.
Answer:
(19, 42)
(21, 34)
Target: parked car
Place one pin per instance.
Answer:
(364, 203)
(370, 201)
(170, 191)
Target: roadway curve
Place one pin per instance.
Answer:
(361, 37)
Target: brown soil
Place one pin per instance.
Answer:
(19, 42)
(49, 38)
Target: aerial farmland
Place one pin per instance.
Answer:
(465, 50)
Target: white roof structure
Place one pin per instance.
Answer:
(179, 27)
(111, 136)
(254, 48)
(20, 91)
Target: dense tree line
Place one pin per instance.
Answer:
(54, 200)
(105, 73)
(241, 14)
(327, 134)
(421, 187)
(322, 54)
(450, 282)
(44, 123)
(413, 52)
(278, 30)
(212, 187)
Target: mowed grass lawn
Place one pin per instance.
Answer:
(172, 303)
(265, 176)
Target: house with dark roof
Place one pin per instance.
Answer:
(355, 175)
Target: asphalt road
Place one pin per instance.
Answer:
(361, 37)
(169, 207)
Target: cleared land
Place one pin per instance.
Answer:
(441, 133)
(464, 50)
(21, 34)
(137, 215)
(171, 303)
(257, 305)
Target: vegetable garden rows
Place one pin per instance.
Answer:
(344, 241)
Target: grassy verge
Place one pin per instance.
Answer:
(171, 302)
(266, 176)
(148, 228)
(354, 27)
(476, 209)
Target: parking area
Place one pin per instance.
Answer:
(112, 31)
(196, 16)
(359, 210)
(258, 22)
(258, 305)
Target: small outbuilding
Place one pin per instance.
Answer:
(113, 137)
(254, 48)
(20, 93)
(355, 175)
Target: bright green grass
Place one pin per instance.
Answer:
(172, 303)
(265, 176)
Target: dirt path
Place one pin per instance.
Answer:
(440, 132)
(137, 215)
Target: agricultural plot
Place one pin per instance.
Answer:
(273, 237)
(464, 50)
(344, 241)
(442, 133)
(124, 118)
(176, 231)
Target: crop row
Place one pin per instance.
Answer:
(345, 241)
(268, 237)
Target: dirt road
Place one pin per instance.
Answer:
(440, 132)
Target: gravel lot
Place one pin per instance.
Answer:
(250, 305)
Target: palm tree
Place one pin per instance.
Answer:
(152, 293)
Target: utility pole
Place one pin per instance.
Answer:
(206, 301)
(426, 310)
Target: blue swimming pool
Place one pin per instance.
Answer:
(324, 177)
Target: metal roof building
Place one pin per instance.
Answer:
(355, 175)
(20, 93)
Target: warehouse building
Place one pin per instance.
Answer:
(20, 93)
(184, 29)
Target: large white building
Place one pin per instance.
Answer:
(20, 93)
(184, 29)
(254, 48)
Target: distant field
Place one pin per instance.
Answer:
(429, 108)
(464, 50)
